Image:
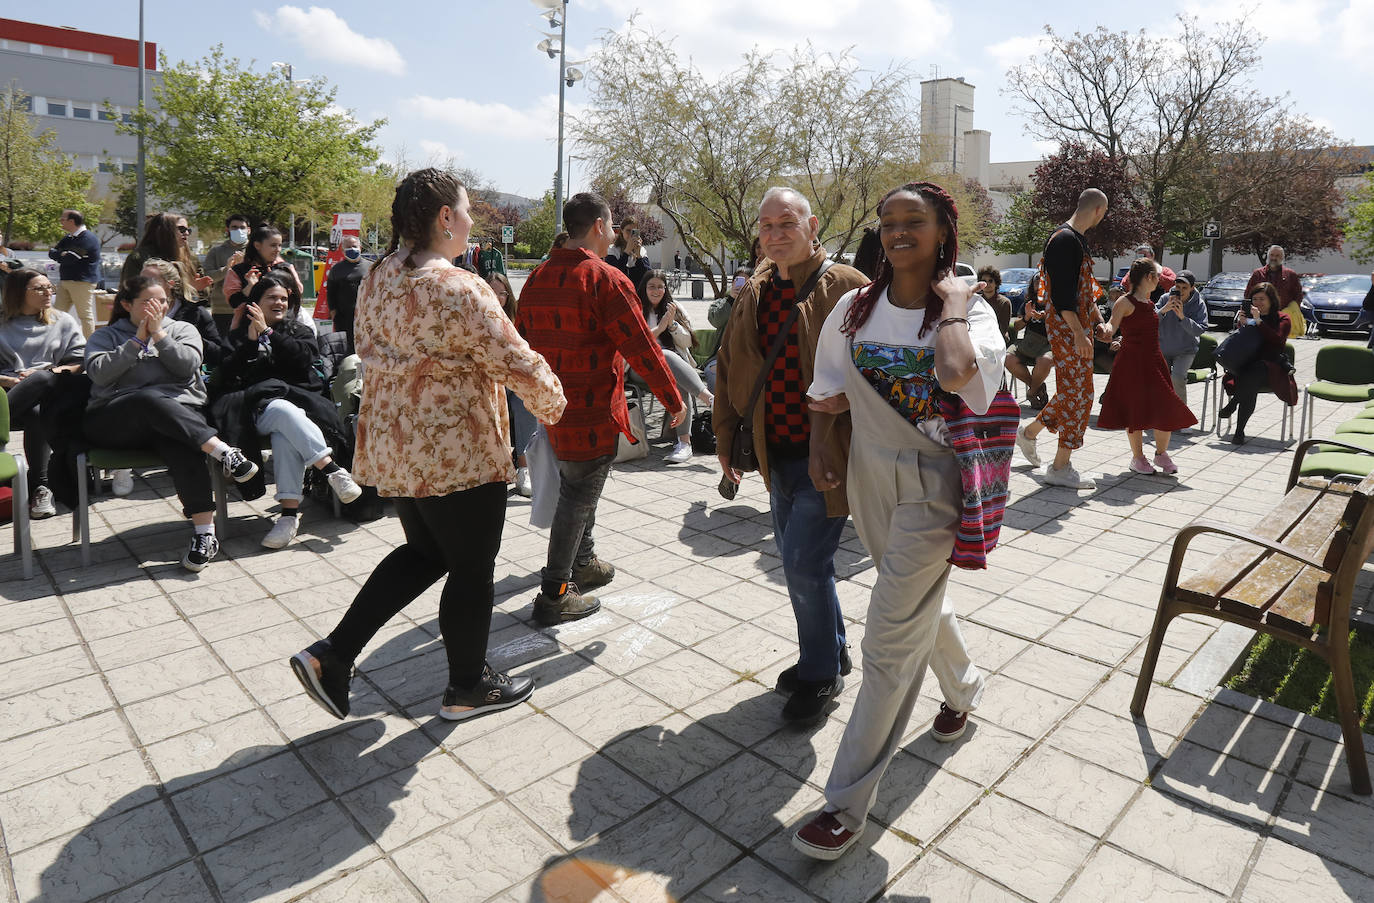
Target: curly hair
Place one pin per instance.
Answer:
(418, 200)
(947, 213)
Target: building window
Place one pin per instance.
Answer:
(128, 117)
(25, 103)
(57, 109)
(81, 112)
(106, 166)
(107, 115)
(131, 167)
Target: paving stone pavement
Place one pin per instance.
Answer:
(156, 747)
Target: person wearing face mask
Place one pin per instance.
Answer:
(261, 256)
(342, 286)
(217, 262)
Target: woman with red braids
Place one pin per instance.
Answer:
(893, 354)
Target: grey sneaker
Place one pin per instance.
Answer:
(41, 505)
(1026, 446)
(1068, 477)
(550, 610)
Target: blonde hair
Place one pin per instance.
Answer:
(172, 276)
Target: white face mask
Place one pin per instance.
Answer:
(238, 236)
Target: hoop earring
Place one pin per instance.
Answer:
(448, 236)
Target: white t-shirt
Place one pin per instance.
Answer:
(900, 366)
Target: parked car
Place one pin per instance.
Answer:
(1333, 302)
(1015, 281)
(1223, 295)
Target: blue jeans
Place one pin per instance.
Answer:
(297, 443)
(807, 541)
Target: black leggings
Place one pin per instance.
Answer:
(144, 419)
(1250, 380)
(25, 401)
(457, 534)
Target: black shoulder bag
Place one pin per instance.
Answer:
(742, 456)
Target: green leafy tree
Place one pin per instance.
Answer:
(37, 181)
(1359, 223)
(536, 229)
(226, 139)
(1023, 229)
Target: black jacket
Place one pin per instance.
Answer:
(214, 346)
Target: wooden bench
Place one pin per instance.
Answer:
(1291, 576)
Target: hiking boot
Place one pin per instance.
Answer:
(788, 682)
(949, 725)
(341, 481)
(494, 692)
(41, 505)
(570, 605)
(1068, 477)
(204, 547)
(823, 837)
(808, 701)
(237, 466)
(329, 687)
(593, 574)
(1026, 445)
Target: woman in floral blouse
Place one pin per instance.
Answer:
(433, 434)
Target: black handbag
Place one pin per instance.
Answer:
(1240, 348)
(703, 436)
(742, 455)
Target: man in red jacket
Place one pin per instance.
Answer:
(584, 316)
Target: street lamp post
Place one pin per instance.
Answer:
(954, 152)
(556, 13)
(141, 202)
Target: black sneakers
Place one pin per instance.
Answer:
(329, 688)
(203, 548)
(237, 466)
(494, 692)
(787, 680)
(808, 701)
(551, 609)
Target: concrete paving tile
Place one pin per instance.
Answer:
(990, 649)
(125, 618)
(1091, 641)
(1017, 618)
(606, 711)
(1220, 782)
(1113, 875)
(1167, 710)
(154, 677)
(935, 877)
(1186, 840)
(241, 801)
(1069, 790)
(1019, 707)
(1130, 748)
(577, 802)
(520, 752)
(182, 884)
(36, 639)
(1284, 873)
(982, 755)
(397, 808)
(1326, 823)
(52, 705)
(198, 755)
(440, 864)
(1250, 738)
(670, 753)
(50, 752)
(774, 798)
(116, 651)
(370, 884)
(1018, 847)
(187, 709)
(806, 752)
(68, 802)
(1058, 672)
(682, 678)
(689, 623)
(750, 881)
(860, 875)
(921, 799)
(631, 647)
(30, 611)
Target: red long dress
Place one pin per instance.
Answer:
(1140, 393)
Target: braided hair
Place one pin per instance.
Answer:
(947, 214)
(418, 200)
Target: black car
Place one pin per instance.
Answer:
(1015, 281)
(1223, 295)
(1333, 302)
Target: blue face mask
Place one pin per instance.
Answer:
(353, 253)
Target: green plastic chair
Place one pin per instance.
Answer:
(1345, 374)
(15, 471)
(1286, 425)
(1347, 455)
(1204, 370)
(1360, 426)
(706, 346)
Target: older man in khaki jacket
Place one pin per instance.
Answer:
(789, 440)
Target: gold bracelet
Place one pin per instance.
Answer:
(947, 320)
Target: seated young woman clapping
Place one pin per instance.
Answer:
(268, 386)
(147, 393)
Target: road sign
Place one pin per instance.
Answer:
(507, 235)
(1211, 229)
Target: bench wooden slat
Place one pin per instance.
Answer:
(1306, 602)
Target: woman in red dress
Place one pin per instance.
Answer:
(1140, 393)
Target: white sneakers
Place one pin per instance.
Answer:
(41, 505)
(341, 481)
(282, 532)
(1026, 446)
(122, 481)
(523, 486)
(1068, 477)
(681, 453)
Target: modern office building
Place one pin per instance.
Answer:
(80, 85)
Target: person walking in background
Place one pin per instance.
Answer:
(892, 354)
(345, 276)
(1139, 394)
(1182, 320)
(78, 267)
(491, 260)
(1287, 286)
(217, 262)
(584, 316)
(797, 287)
(1066, 278)
(1270, 369)
(432, 434)
(37, 345)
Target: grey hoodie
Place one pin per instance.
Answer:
(1180, 336)
(171, 366)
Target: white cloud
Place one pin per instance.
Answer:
(323, 35)
(491, 118)
(1288, 21)
(1357, 37)
(1016, 50)
(437, 153)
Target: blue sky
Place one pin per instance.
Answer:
(463, 79)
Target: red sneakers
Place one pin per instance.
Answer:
(823, 837)
(949, 725)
